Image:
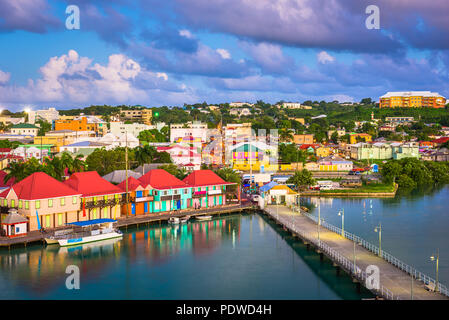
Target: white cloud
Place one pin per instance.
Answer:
(324, 57)
(4, 77)
(224, 53)
(186, 33)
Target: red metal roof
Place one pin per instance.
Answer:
(204, 178)
(5, 150)
(90, 184)
(441, 140)
(133, 183)
(161, 179)
(40, 185)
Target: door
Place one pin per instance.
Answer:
(178, 204)
(145, 207)
(220, 200)
(133, 208)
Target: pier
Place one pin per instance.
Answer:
(397, 280)
(34, 237)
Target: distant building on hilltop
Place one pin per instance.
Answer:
(49, 115)
(412, 99)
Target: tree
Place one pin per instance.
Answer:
(390, 171)
(301, 179)
(229, 175)
(285, 135)
(45, 126)
(174, 170)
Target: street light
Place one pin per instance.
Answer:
(437, 260)
(379, 230)
(342, 214)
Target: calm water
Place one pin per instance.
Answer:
(233, 257)
(413, 225)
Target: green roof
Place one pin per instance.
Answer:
(25, 126)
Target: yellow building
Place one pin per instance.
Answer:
(303, 138)
(324, 151)
(412, 99)
(57, 141)
(356, 137)
(83, 123)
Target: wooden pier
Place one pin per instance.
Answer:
(354, 258)
(132, 220)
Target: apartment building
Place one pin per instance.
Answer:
(49, 115)
(142, 115)
(83, 123)
(195, 129)
(412, 99)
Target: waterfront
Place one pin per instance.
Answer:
(233, 257)
(414, 225)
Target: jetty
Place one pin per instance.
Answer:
(397, 280)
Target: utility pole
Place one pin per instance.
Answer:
(126, 172)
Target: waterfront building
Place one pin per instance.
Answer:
(281, 194)
(49, 115)
(209, 190)
(303, 138)
(359, 137)
(99, 198)
(168, 192)
(42, 200)
(14, 224)
(25, 129)
(412, 99)
(138, 197)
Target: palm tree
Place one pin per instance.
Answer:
(144, 155)
(15, 170)
(285, 135)
(229, 175)
(78, 164)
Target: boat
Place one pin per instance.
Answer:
(174, 220)
(203, 218)
(86, 231)
(184, 219)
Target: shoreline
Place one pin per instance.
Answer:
(351, 194)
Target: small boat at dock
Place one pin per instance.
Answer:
(86, 231)
(203, 218)
(178, 220)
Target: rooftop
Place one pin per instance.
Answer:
(90, 183)
(203, 178)
(161, 179)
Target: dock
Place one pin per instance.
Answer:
(34, 237)
(353, 255)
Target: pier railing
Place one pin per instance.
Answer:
(418, 275)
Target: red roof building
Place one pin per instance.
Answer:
(39, 186)
(200, 178)
(133, 184)
(161, 179)
(90, 184)
(441, 140)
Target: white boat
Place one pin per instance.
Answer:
(184, 219)
(91, 230)
(174, 220)
(203, 218)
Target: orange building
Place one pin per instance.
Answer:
(412, 99)
(82, 124)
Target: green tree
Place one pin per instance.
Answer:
(301, 179)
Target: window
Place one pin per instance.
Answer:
(105, 198)
(50, 203)
(27, 204)
(62, 201)
(73, 200)
(38, 204)
(13, 203)
(20, 204)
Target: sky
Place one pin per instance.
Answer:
(171, 52)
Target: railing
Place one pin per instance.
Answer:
(385, 255)
(336, 256)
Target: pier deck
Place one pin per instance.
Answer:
(395, 283)
(132, 220)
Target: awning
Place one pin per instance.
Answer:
(91, 222)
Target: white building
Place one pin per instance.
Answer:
(120, 128)
(25, 129)
(31, 152)
(48, 115)
(240, 104)
(195, 129)
(183, 156)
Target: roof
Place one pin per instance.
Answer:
(133, 184)
(204, 178)
(268, 186)
(411, 94)
(161, 179)
(3, 150)
(283, 187)
(89, 183)
(40, 185)
(441, 140)
(13, 218)
(91, 222)
(118, 176)
(86, 144)
(25, 126)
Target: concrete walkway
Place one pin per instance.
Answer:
(398, 282)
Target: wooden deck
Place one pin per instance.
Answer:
(132, 220)
(340, 250)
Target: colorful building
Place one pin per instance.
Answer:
(25, 129)
(209, 190)
(138, 197)
(99, 198)
(83, 123)
(43, 200)
(412, 99)
(303, 138)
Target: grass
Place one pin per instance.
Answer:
(371, 188)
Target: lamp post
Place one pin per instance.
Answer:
(342, 214)
(436, 258)
(379, 230)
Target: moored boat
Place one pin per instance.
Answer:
(91, 230)
(174, 220)
(203, 218)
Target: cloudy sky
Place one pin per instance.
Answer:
(170, 52)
